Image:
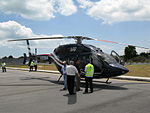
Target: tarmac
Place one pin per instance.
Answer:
(22, 91)
(122, 77)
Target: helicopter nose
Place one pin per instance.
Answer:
(124, 70)
(119, 69)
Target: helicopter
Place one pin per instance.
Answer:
(105, 65)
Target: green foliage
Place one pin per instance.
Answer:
(130, 52)
(132, 56)
(141, 59)
(5, 57)
(144, 54)
(10, 56)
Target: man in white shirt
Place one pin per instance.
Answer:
(71, 71)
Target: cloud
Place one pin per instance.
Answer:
(65, 7)
(38, 10)
(13, 30)
(113, 11)
(110, 11)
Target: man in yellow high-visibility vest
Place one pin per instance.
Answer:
(31, 66)
(89, 71)
(3, 64)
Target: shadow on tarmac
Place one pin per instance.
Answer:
(96, 85)
(72, 99)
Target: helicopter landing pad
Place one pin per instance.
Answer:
(37, 92)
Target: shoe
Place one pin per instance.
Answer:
(64, 88)
(85, 92)
(79, 90)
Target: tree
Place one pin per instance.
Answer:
(10, 57)
(144, 54)
(5, 57)
(130, 52)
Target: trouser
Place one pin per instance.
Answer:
(35, 66)
(88, 81)
(78, 83)
(65, 81)
(31, 68)
(70, 83)
(3, 69)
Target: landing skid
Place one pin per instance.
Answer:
(59, 78)
(107, 81)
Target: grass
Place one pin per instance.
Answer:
(47, 67)
(134, 70)
(40, 67)
(139, 70)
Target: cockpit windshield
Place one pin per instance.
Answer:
(107, 58)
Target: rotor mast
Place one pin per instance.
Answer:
(79, 40)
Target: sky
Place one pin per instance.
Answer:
(123, 21)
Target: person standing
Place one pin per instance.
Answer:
(71, 71)
(3, 64)
(35, 65)
(31, 66)
(89, 71)
(63, 69)
(78, 83)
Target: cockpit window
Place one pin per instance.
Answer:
(107, 58)
(95, 49)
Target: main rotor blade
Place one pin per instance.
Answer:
(78, 38)
(120, 43)
(38, 38)
(42, 38)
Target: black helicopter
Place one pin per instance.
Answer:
(106, 66)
